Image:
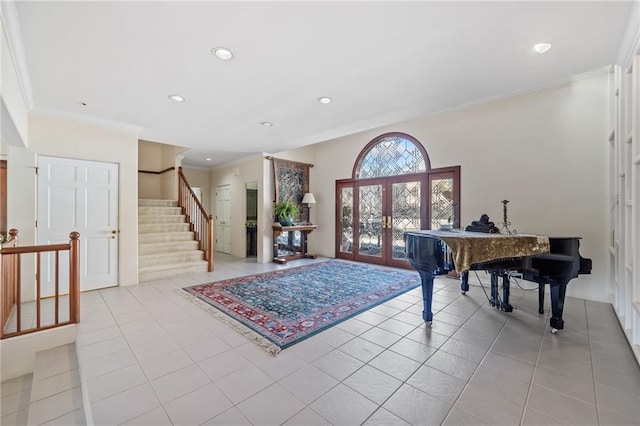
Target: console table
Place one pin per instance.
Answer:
(290, 242)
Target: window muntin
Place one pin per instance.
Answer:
(391, 156)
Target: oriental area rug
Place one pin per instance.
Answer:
(280, 308)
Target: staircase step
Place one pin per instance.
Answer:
(57, 386)
(15, 400)
(172, 257)
(156, 228)
(159, 211)
(164, 237)
(169, 246)
(157, 203)
(148, 219)
(157, 272)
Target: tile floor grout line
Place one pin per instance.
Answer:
(425, 361)
(593, 372)
(466, 385)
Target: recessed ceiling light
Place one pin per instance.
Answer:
(541, 47)
(176, 98)
(208, 159)
(325, 100)
(222, 53)
(266, 124)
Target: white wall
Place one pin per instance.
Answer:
(57, 137)
(14, 111)
(545, 152)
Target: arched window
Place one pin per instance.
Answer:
(392, 155)
(393, 189)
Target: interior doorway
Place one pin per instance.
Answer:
(223, 218)
(82, 196)
(251, 222)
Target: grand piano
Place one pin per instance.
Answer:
(543, 260)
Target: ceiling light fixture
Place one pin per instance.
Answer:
(222, 53)
(542, 47)
(266, 124)
(325, 100)
(176, 98)
(208, 159)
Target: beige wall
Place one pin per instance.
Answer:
(545, 152)
(157, 157)
(200, 178)
(56, 137)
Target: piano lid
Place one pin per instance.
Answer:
(470, 248)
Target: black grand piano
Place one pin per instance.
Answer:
(543, 260)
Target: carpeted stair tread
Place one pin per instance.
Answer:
(157, 203)
(172, 257)
(155, 272)
(159, 211)
(153, 228)
(165, 237)
(166, 247)
(151, 219)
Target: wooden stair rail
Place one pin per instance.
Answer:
(200, 222)
(9, 265)
(11, 284)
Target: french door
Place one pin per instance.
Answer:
(372, 215)
(385, 209)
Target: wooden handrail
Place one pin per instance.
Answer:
(168, 169)
(200, 222)
(11, 285)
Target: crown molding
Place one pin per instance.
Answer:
(9, 17)
(89, 120)
(630, 45)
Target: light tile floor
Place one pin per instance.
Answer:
(148, 356)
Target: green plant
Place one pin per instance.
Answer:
(285, 209)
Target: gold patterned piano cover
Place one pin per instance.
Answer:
(470, 248)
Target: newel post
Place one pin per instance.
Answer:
(74, 277)
(180, 201)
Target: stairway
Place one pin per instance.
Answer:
(52, 394)
(166, 246)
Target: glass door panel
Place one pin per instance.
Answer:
(370, 225)
(405, 214)
(345, 224)
(441, 209)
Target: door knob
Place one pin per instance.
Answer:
(114, 232)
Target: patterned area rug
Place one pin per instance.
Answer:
(290, 305)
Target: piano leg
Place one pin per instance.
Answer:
(427, 294)
(541, 297)
(494, 290)
(464, 282)
(505, 306)
(557, 306)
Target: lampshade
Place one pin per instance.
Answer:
(308, 198)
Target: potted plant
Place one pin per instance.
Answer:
(285, 211)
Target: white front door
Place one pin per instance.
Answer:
(223, 219)
(77, 195)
